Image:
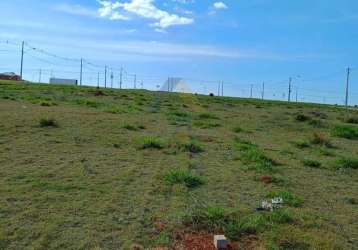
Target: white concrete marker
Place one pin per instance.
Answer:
(220, 241)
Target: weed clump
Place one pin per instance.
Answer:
(302, 117)
(133, 127)
(302, 144)
(321, 139)
(347, 163)
(206, 124)
(345, 131)
(48, 122)
(150, 142)
(311, 163)
(183, 177)
(238, 130)
(179, 117)
(193, 147)
(47, 103)
(288, 198)
(206, 116)
(250, 153)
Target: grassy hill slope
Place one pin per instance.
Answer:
(82, 168)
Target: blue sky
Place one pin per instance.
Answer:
(240, 42)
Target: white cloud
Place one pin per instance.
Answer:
(220, 6)
(141, 8)
(75, 10)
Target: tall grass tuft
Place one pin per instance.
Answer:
(183, 177)
(48, 122)
(150, 142)
(311, 163)
(193, 147)
(251, 154)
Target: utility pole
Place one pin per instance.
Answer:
(40, 75)
(251, 90)
(296, 94)
(289, 89)
(111, 80)
(22, 58)
(263, 90)
(121, 79)
(135, 81)
(347, 86)
(105, 77)
(222, 88)
(219, 89)
(81, 72)
(98, 81)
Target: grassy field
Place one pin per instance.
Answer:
(82, 168)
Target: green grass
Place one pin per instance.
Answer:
(288, 198)
(122, 161)
(302, 144)
(347, 163)
(345, 131)
(254, 156)
(183, 177)
(150, 142)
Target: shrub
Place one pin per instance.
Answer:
(347, 163)
(321, 139)
(192, 147)
(288, 198)
(351, 119)
(48, 122)
(345, 131)
(183, 177)
(302, 117)
(150, 142)
(311, 163)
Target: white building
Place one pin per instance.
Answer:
(61, 81)
(175, 84)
